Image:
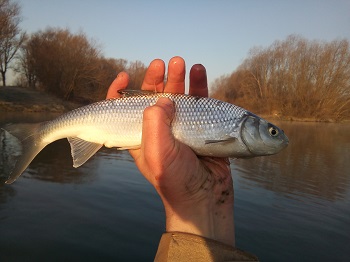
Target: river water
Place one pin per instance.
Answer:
(294, 206)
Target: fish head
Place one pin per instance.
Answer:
(261, 137)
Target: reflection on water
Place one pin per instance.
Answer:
(295, 206)
(291, 206)
(58, 155)
(315, 162)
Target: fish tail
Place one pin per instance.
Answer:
(21, 143)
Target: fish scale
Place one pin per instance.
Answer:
(210, 127)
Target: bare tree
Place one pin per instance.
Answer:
(11, 37)
(59, 61)
(105, 72)
(67, 65)
(294, 77)
(25, 67)
(137, 71)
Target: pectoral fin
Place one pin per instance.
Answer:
(213, 141)
(82, 150)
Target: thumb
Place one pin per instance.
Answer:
(167, 106)
(156, 130)
(158, 145)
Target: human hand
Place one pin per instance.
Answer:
(197, 192)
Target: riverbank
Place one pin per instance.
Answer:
(19, 99)
(299, 119)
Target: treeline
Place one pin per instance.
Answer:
(71, 66)
(293, 78)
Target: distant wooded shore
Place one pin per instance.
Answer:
(19, 99)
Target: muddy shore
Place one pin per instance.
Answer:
(18, 99)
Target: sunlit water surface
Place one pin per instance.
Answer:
(294, 206)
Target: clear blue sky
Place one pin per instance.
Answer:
(217, 34)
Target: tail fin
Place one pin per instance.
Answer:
(25, 144)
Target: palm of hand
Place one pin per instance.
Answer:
(191, 187)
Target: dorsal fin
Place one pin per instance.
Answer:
(130, 92)
(82, 150)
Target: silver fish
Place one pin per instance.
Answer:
(210, 127)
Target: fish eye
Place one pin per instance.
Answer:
(273, 131)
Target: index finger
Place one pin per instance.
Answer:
(120, 82)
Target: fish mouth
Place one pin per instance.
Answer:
(285, 141)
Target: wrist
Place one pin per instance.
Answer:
(210, 220)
